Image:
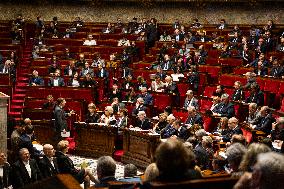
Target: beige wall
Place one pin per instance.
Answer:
(210, 14)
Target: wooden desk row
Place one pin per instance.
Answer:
(95, 141)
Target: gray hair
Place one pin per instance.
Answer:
(109, 109)
(249, 159)
(130, 170)
(200, 133)
(235, 153)
(106, 166)
(271, 166)
(253, 105)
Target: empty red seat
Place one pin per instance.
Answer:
(161, 101)
(208, 91)
(227, 80)
(272, 86)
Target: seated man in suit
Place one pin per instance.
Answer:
(172, 88)
(26, 141)
(253, 113)
(106, 168)
(35, 80)
(256, 95)
(56, 80)
(181, 132)
(169, 130)
(234, 128)
(147, 97)
(193, 117)
(143, 122)
(238, 92)
(167, 63)
(190, 100)
(264, 121)
(5, 171)
(25, 171)
(138, 107)
(86, 70)
(225, 108)
(70, 69)
(48, 164)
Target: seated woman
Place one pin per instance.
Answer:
(74, 80)
(122, 121)
(222, 126)
(66, 166)
(92, 116)
(108, 117)
(157, 85)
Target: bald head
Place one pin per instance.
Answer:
(48, 150)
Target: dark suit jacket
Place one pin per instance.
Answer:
(105, 73)
(197, 119)
(182, 133)
(60, 119)
(148, 98)
(92, 118)
(167, 65)
(227, 137)
(226, 110)
(5, 181)
(123, 122)
(67, 68)
(46, 168)
(104, 182)
(257, 98)
(264, 123)
(277, 72)
(60, 82)
(168, 131)
(238, 95)
(37, 80)
(135, 111)
(145, 124)
(65, 164)
(21, 176)
(194, 103)
(173, 88)
(26, 142)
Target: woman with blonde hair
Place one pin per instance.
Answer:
(108, 117)
(66, 166)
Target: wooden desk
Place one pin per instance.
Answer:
(95, 141)
(139, 148)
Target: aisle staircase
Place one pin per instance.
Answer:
(22, 80)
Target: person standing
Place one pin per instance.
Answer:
(60, 124)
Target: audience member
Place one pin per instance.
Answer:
(66, 166)
(48, 164)
(106, 168)
(25, 171)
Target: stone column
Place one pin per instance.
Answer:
(3, 121)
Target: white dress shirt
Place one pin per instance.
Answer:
(28, 168)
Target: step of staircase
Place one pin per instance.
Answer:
(16, 108)
(22, 84)
(22, 79)
(15, 114)
(19, 90)
(18, 96)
